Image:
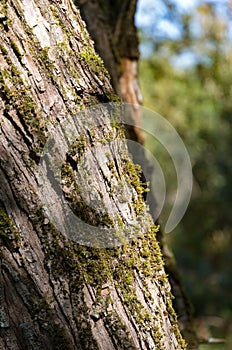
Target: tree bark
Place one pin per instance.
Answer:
(112, 28)
(55, 292)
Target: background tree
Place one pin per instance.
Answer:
(55, 292)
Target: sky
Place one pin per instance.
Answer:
(147, 10)
(153, 19)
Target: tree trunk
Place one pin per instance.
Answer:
(112, 27)
(57, 292)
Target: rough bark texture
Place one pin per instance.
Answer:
(54, 292)
(112, 27)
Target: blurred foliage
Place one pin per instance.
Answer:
(195, 95)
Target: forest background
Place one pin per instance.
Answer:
(186, 76)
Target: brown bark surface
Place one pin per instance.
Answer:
(54, 292)
(112, 27)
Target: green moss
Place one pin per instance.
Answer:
(4, 8)
(44, 56)
(91, 59)
(111, 165)
(13, 70)
(132, 257)
(18, 96)
(63, 45)
(65, 53)
(115, 124)
(128, 261)
(57, 18)
(3, 50)
(16, 49)
(114, 98)
(133, 173)
(103, 141)
(7, 229)
(45, 62)
(173, 316)
(100, 266)
(78, 147)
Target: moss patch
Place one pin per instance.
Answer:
(133, 173)
(97, 267)
(18, 96)
(7, 229)
(93, 60)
